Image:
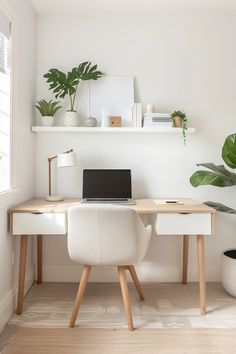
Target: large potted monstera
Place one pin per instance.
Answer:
(219, 176)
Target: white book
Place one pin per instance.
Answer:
(134, 115)
(155, 119)
(139, 114)
(157, 124)
(156, 114)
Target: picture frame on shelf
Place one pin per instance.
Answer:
(113, 95)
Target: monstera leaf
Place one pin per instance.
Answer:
(85, 72)
(229, 151)
(63, 84)
(221, 207)
(218, 175)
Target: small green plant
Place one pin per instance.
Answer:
(47, 108)
(184, 121)
(63, 84)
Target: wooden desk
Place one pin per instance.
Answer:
(39, 217)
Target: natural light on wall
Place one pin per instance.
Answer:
(5, 106)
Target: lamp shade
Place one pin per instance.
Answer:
(66, 160)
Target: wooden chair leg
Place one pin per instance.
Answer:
(80, 293)
(185, 258)
(125, 295)
(136, 281)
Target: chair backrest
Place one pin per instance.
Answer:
(101, 234)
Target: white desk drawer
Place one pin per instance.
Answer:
(184, 224)
(46, 223)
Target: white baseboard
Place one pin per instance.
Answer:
(8, 303)
(146, 273)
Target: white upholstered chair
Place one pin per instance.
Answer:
(107, 235)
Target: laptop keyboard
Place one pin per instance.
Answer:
(107, 199)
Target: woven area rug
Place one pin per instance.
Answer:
(108, 341)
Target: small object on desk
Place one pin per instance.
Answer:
(169, 201)
(115, 121)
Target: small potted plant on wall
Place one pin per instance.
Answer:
(47, 109)
(63, 84)
(219, 176)
(180, 120)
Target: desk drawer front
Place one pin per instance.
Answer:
(184, 224)
(46, 223)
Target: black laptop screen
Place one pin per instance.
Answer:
(107, 184)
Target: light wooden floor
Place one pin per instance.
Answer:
(169, 305)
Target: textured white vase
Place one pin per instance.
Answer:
(47, 121)
(71, 119)
(228, 273)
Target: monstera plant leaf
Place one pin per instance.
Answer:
(218, 175)
(62, 84)
(229, 151)
(221, 207)
(85, 72)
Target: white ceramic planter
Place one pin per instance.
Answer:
(228, 274)
(71, 119)
(47, 121)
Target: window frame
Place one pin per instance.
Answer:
(8, 196)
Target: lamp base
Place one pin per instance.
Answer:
(54, 198)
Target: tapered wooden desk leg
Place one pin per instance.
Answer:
(185, 258)
(201, 270)
(39, 259)
(125, 295)
(21, 283)
(136, 281)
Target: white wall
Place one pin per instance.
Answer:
(179, 61)
(24, 22)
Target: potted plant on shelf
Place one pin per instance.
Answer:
(63, 84)
(47, 110)
(219, 176)
(180, 120)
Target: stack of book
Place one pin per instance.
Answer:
(157, 120)
(137, 119)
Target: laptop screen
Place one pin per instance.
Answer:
(107, 184)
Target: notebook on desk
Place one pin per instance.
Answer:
(107, 186)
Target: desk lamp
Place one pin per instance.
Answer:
(66, 159)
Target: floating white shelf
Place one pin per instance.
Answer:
(108, 130)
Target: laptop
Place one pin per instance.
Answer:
(107, 186)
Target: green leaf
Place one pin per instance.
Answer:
(47, 108)
(63, 84)
(219, 169)
(221, 207)
(220, 177)
(201, 178)
(229, 151)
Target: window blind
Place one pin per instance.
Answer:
(4, 40)
(3, 53)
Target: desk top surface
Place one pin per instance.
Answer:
(142, 206)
